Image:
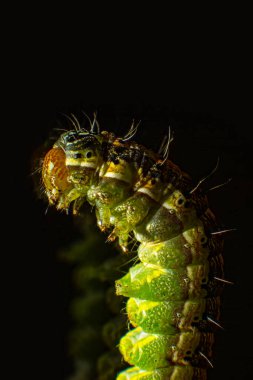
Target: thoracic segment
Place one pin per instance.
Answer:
(172, 289)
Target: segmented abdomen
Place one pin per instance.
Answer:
(174, 288)
(171, 304)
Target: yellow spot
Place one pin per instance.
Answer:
(156, 273)
(148, 305)
(50, 166)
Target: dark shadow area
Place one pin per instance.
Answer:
(205, 127)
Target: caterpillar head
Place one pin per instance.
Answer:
(70, 166)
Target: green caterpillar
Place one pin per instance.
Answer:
(174, 289)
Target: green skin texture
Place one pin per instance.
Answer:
(165, 287)
(159, 288)
(158, 284)
(156, 287)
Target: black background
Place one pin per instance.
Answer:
(207, 104)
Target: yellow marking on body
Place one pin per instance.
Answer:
(102, 169)
(144, 190)
(167, 205)
(144, 305)
(170, 202)
(78, 162)
(121, 170)
(142, 341)
(118, 176)
(156, 247)
(117, 143)
(156, 273)
(132, 344)
(92, 165)
(134, 373)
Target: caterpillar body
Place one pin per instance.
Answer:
(174, 288)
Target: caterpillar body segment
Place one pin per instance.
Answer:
(168, 373)
(173, 289)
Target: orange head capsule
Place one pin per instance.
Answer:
(55, 174)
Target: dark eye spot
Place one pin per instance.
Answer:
(116, 161)
(203, 240)
(153, 181)
(180, 201)
(88, 154)
(188, 352)
(77, 155)
(70, 138)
